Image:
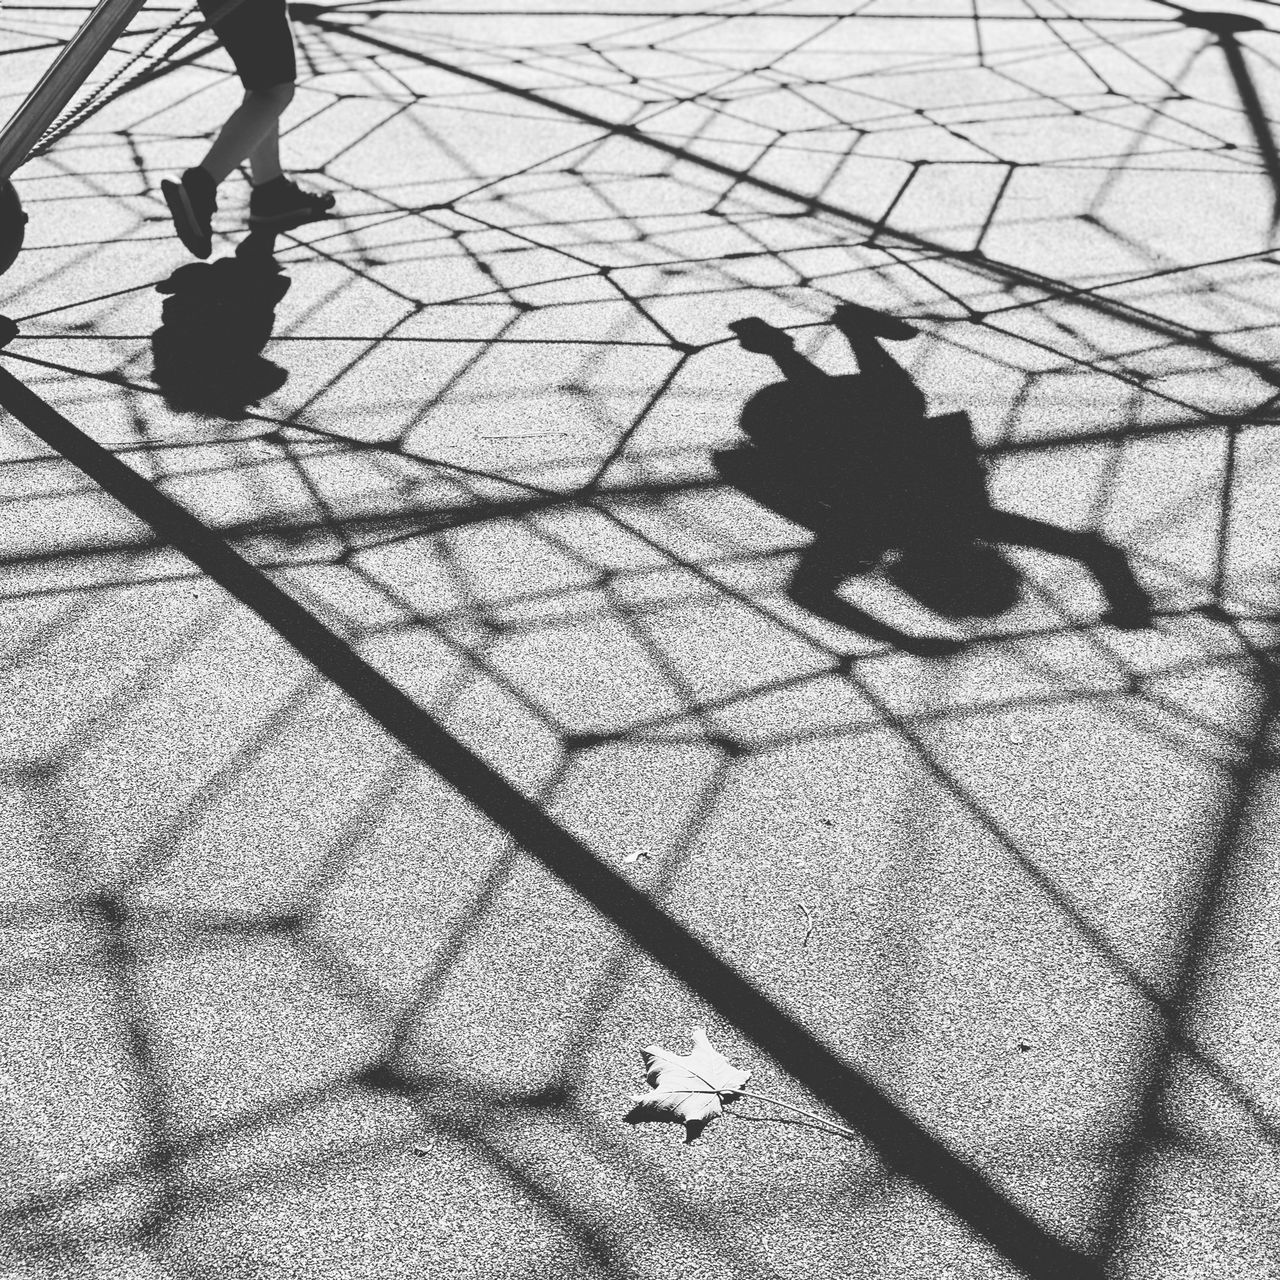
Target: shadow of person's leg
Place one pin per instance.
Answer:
(891, 385)
(1128, 604)
(815, 586)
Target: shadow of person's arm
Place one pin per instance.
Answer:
(1128, 604)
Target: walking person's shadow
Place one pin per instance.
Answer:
(215, 322)
(855, 459)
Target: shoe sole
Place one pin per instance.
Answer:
(185, 221)
(283, 221)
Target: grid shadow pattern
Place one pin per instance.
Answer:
(283, 952)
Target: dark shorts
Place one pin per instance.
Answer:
(257, 36)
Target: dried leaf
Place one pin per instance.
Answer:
(689, 1089)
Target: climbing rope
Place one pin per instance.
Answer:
(102, 95)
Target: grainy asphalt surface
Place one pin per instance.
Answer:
(276, 1002)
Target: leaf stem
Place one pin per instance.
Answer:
(778, 1102)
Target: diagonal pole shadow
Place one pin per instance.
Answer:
(902, 1143)
(1208, 909)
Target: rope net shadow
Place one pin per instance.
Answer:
(469, 425)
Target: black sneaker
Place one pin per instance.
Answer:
(192, 203)
(282, 203)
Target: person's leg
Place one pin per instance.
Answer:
(264, 159)
(252, 132)
(256, 35)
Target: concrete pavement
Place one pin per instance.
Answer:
(278, 1002)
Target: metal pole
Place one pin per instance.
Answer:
(70, 69)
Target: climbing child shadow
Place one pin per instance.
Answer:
(855, 459)
(215, 322)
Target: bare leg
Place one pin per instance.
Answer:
(264, 159)
(252, 126)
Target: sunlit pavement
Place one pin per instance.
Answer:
(278, 1002)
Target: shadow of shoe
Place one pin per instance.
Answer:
(215, 322)
(850, 318)
(259, 247)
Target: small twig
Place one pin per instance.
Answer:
(728, 1095)
(808, 915)
(794, 1121)
(776, 1102)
